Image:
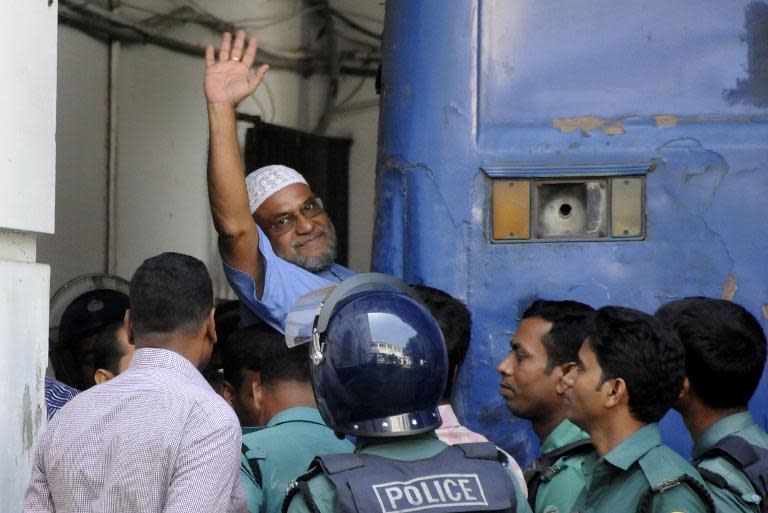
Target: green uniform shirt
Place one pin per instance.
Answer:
(406, 449)
(558, 493)
(617, 481)
(742, 425)
(283, 450)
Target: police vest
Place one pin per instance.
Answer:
(462, 478)
(750, 459)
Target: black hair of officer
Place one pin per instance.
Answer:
(455, 323)
(647, 355)
(568, 331)
(725, 348)
(261, 348)
(107, 350)
(258, 353)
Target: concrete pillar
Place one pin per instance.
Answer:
(27, 176)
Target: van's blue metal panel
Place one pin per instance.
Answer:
(468, 85)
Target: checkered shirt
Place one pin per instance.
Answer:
(156, 438)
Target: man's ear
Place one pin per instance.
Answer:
(211, 325)
(228, 392)
(128, 326)
(686, 390)
(558, 373)
(615, 392)
(102, 375)
(256, 393)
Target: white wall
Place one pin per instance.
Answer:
(79, 244)
(27, 173)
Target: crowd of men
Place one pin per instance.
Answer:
(359, 419)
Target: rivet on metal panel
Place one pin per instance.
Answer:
(511, 209)
(627, 207)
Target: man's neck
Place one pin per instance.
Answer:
(284, 395)
(543, 427)
(699, 417)
(190, 347)
(610, 432)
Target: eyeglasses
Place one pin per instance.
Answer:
(283, 224)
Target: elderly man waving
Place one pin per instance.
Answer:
(276, 240)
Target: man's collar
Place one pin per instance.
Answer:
(297, 414)
(153, 357)
(720, 429)
(565, 433)
(635, 446)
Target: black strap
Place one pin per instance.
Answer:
(301, 484)
(735, 449)
(254, 464)
(544, 466)
(717, 480)
(480, 450)
(644, 506)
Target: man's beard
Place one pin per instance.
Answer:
(318, 263)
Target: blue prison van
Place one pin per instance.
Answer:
(607, 152)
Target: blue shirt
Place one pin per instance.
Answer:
(57, 394)
(284, 283)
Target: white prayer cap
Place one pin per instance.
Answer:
(267, 180)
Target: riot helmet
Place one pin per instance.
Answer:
(378, 360)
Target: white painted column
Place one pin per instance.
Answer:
(27, 175)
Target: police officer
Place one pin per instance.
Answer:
(379, 367)
(542, 350)
(293, 432)
(725, 356)
(630, 371)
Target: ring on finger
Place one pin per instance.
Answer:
(236, 58)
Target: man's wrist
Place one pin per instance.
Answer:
(221, 107)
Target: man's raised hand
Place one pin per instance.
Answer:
(227, 80)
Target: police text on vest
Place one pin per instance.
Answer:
(428, 492)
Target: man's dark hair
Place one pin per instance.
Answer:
(725, 348)
(455, 322)
(569, 320)
(170, 293)
(261, 348)
(107, 350)
(639, 349)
